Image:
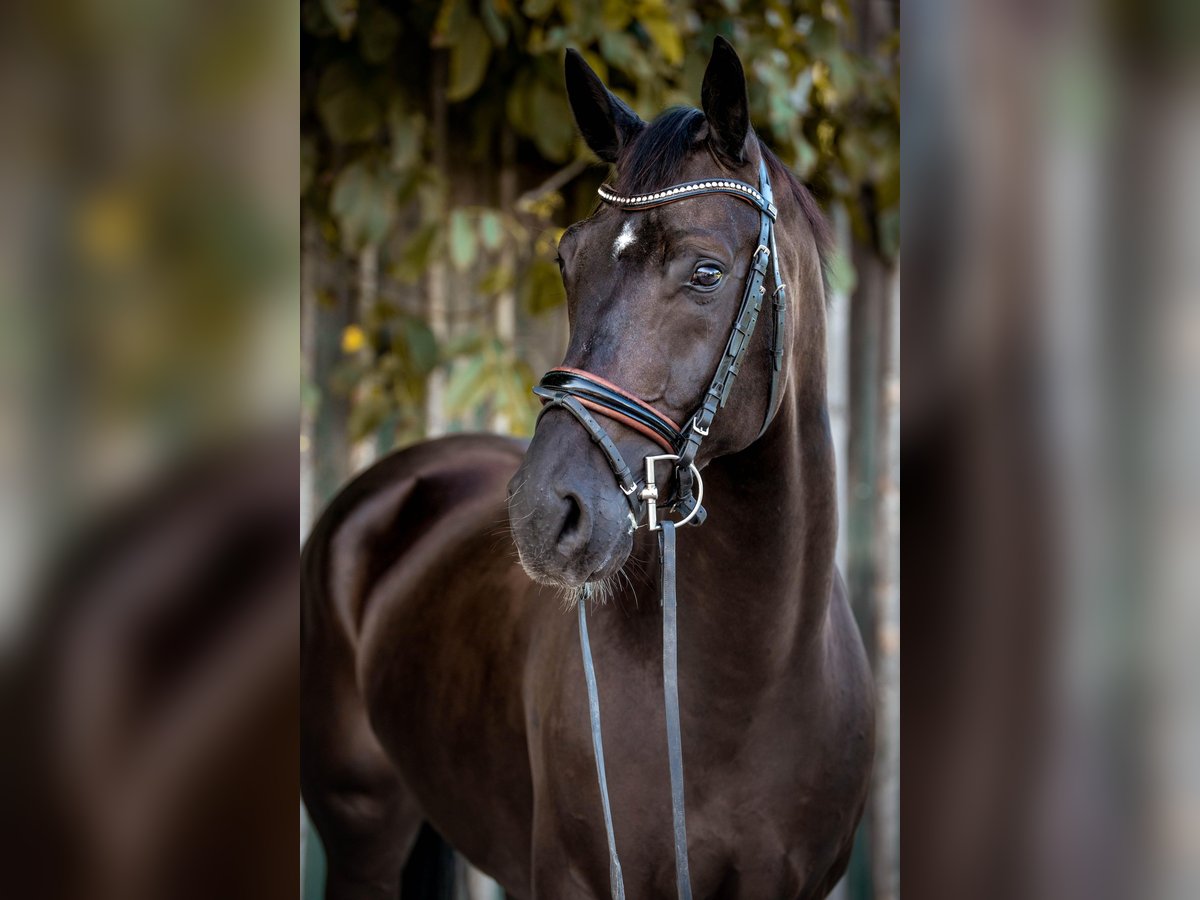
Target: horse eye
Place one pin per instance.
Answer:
(706, 276)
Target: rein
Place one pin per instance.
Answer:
(581, 393)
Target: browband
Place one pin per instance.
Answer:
(737, 189)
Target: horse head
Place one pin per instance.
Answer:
(652, 296)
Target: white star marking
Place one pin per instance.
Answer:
(624, 239)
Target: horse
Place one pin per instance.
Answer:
(442, 681)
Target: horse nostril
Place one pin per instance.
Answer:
(571, 535)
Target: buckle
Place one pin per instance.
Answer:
(650, 492)
(703, 432)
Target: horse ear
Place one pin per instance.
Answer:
(726, 104)
(607, 124)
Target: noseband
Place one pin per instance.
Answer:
(581, 393)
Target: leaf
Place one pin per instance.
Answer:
(491, 229)
(496, 27)
(842, 75)
(314, 20)
(414, 261)
(553, 125)
(615, 15)
(377, 34)
(449, 22)
(364, 205)
(348, 112)
(407, 131)
(420, 346)
(343, 14)
(517, 105)
(370, 408)
(537, 9)
(469, 58)
(822, 38)
(468, 343)
(464, 381)
(620, 49)
(805, 156)
(855, 155)
(498, 279)
(462, 240)
(665, 35)
(542, 288)
(517, 404)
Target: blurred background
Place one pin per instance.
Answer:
(440, 165)
(1051, 432)
(149, 337)
(149, 233)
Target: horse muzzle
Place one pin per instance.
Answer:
(569, 520)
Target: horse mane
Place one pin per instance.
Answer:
(654, 159)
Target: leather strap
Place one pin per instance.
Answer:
(735, 351)
(615, 880)
(648, 407)
(609, 400)
(630, 487)
(778, 338)
(666, 545)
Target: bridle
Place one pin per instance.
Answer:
(581, 393)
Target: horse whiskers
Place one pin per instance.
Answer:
(598, 592)
(520, 487)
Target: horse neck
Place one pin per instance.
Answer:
(760, 571)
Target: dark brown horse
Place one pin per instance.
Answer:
(442, 678)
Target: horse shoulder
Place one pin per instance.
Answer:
(396, 519)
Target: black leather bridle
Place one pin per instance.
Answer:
(580, 393)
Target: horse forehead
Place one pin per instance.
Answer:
(626, 237)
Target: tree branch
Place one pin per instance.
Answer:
(555, 182)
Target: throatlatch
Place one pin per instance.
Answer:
(581, 393)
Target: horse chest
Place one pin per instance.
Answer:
(758, 820)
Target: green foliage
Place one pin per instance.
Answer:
(488, 380)
(364, 203)
(462, 240)
(542, 289)
(346, 106)
(372, 175)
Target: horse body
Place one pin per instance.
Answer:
(443, 679)
(473, 704)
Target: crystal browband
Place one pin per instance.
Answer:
(689, 189)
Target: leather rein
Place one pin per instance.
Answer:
(581, 394)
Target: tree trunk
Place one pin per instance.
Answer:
(873, 510)
(436, 291)
(366, 451)
(885, 842)
(872, 490)
(506, 302)
(308, 375)
(330, 441)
